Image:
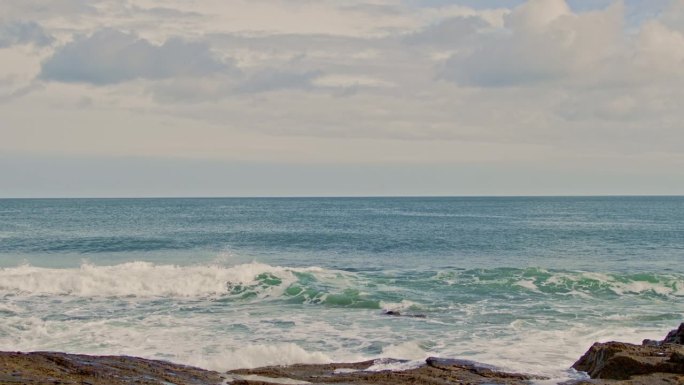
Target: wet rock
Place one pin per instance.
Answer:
(675, 336)
(397, 313)
(436, 371)
(621, 361)
(652, 362)
(480, 369)
(63, 368)
(677, 357)
(648, 342)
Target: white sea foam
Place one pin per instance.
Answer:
(116, 310)
(407, 351)
(548, 352)
(254, 356)
(144, 279)
(395, 366)
(270, 380)
(582, 283)
(10, 308)
(527, 284)
(404, 305)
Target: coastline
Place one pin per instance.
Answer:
(653, 363)
(65, 368)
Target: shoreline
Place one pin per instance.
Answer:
(66, 368)
(609, 363)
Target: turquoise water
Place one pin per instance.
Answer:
(524, 283)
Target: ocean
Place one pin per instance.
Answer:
(523, 283)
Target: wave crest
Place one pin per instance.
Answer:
(144, 279)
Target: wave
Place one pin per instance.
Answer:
(564, 283)
(251, 281)
(254, 356)
(406, 291)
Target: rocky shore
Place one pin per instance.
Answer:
(652, 363)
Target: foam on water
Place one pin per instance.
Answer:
(393, 365)
(144, 279)
(254, 356)
(256, 314)
(404, 305)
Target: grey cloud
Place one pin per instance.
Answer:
(110, 56)
(502, 62)
(40, 9)
(216, 88)
(375, 9)
(20, 32)
(20, 92)
(448, 31)
(271, 80)
(165, 12)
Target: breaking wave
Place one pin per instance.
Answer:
(252, 281)
(574, 283)
(413, 292)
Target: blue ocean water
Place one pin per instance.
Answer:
(525, 283)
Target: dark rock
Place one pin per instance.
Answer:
(451, 363)
(675, 336)
(620, 361)
(478, 368)
(63, 368)
(75, 369)
(677, 357)
(397, 313)
(438, 371)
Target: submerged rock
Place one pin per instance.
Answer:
(397, 313)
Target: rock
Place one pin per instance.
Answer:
(63, 368)
(480, 369)
(76, 369)
(675, 336)
(392, 312)
(621, 361)
(397, 313)
(677, 357)
(652, 362)
(648, 342)
(438, 371)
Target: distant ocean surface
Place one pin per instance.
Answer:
(523, 283)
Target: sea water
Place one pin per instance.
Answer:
(526, 284)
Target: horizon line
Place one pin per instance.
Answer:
(352, 196)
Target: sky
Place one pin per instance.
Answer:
(128, 98)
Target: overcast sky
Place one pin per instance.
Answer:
(353, 97)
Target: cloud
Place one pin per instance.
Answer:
(534, 82)
(23, 32)
(41, 9)
(448, 31)
(271, 80)
(109, 56)
(542, 41)
(216, 88)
